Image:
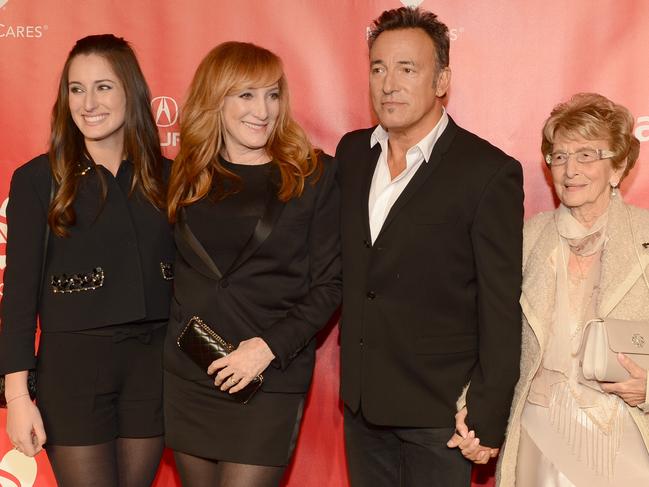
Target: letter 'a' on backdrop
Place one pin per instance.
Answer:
(512, 61)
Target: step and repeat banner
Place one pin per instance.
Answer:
(512, 61)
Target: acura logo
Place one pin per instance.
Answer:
(165, 110)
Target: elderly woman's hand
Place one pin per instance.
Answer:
(633, 390)
(236, 370)
(467, 442)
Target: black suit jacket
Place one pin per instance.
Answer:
(125, 236)
(283, 287)
(433, 304)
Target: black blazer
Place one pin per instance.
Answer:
(125, 236)
(283, 288)
(433, 304)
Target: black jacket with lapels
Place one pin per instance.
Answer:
(283, 286)
(114, 267)
(432, 304)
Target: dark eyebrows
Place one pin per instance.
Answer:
(72, 82)
(401, 63)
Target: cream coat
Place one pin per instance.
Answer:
(623, 295)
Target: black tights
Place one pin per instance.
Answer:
(124, 462)
(201, 472)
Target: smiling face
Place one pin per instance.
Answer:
(584, 187)
(249, 117)
(405, 84)
(97, 99)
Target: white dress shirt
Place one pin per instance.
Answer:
(384, 190)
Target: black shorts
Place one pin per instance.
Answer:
(92, 389)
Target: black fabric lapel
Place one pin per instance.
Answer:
(192, 250)
(368, 165)
(264, 225)
(196, 255)
(422, 174)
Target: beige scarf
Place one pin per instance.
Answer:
(578, 408)
(581, 241)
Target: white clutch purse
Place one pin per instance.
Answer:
(604, 338)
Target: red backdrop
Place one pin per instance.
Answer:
(512, 61)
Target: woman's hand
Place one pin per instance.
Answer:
(241, 366)
(467, 442)
(25, 426)
(634, 390)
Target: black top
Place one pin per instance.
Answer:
(232, 219)
(283, 285)
(113, 268)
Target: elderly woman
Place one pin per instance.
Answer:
(579, 263)
(258, 261)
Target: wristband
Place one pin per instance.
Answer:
(16, 397)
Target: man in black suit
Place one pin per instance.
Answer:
(431, 236)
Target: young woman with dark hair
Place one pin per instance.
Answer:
(89, 254)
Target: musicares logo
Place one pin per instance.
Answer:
(165, 110)
(17, 470)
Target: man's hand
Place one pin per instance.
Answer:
(467, 442)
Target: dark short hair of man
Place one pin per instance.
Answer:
(414, 18)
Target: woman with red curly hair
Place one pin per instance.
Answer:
(256, 211)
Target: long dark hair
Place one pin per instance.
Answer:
(141, 141)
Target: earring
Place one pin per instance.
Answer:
(614, 188)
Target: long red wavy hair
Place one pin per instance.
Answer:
(228, 68)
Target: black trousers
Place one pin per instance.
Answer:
(384, 456)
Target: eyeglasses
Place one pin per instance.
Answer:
(582, 156)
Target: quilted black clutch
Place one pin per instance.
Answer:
(203, 345)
